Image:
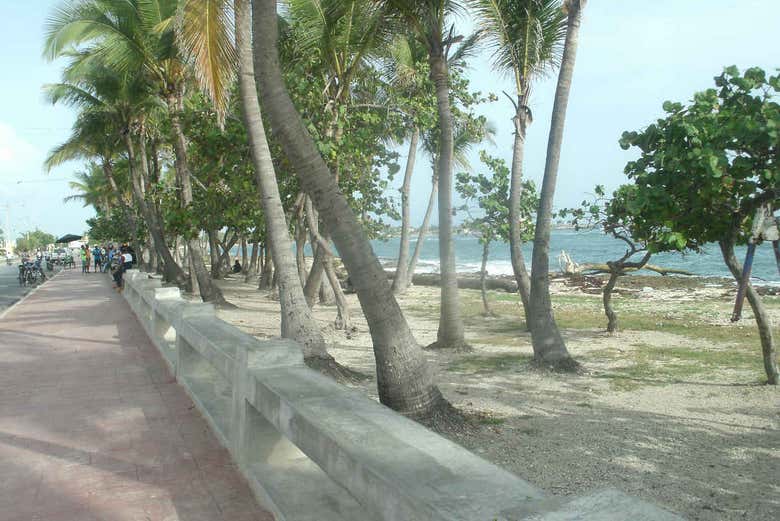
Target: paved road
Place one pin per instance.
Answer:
(92, 425)
(10, 291)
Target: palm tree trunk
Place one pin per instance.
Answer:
(172, 272)
(300, 245)
(343, 320)
(253, 260)
(450, 333)
(515, 226)
(763, 322)
(313, 283)
(401, 269)
(267, 272)
(423, 229)
(209, 292)
(297, 321)
(152, 254)
(404, 380)
(549, 346)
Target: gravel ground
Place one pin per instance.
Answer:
(707, 447)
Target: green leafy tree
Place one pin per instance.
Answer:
(611, 215)
(491, 194)
(33, 240)
(704, 171)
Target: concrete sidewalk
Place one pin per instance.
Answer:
(93, 427)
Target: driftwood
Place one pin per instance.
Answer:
(507, 284)
(603, 268)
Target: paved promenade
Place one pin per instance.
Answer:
(93, 427)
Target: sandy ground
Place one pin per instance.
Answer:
(706, 445)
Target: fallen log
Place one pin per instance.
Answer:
(603, 268)
(501, 283)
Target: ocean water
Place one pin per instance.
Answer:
(583, 247)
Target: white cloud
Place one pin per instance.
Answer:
(18, 158)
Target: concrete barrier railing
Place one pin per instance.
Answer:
(314, 450)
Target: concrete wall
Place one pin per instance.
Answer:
(315, 450)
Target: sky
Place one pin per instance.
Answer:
(632, 56)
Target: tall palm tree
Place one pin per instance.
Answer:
(94, 137)
(404, 380)
(526, 38)
(111, 105)
(138, 37)
(469, 131)
(297, 320)
(549, 346)
(430, 22)
(407, 74)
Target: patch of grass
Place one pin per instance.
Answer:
(656, 365)
(475, 364)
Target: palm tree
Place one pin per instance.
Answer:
(404, 380)
(344, 36)
(407, 74)
(297, 320)
(111, 107)
(95, 137)
(469, 131)
(549, 346)
(526, 37)
(429, 20)
(137, 37)
(92, 189)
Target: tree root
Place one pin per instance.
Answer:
(563, 365)
(458, 347)
(329, 367)
(445, 419)
(224, 304)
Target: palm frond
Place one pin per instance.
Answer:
(525, 37)
(206, 37)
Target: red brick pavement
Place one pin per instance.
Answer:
(92, 425)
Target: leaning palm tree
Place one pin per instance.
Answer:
(138, 37)
(404, 380)
(526, 38)
(549, 346)
(200, 38)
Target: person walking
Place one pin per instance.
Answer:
(97, 258)
(84, 260)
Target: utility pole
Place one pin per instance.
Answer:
(8, 241)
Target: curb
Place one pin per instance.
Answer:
(28, 295)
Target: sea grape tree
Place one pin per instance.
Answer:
(611, 215)
(703, 172)
(491, 195)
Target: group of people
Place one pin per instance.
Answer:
(108, 257)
